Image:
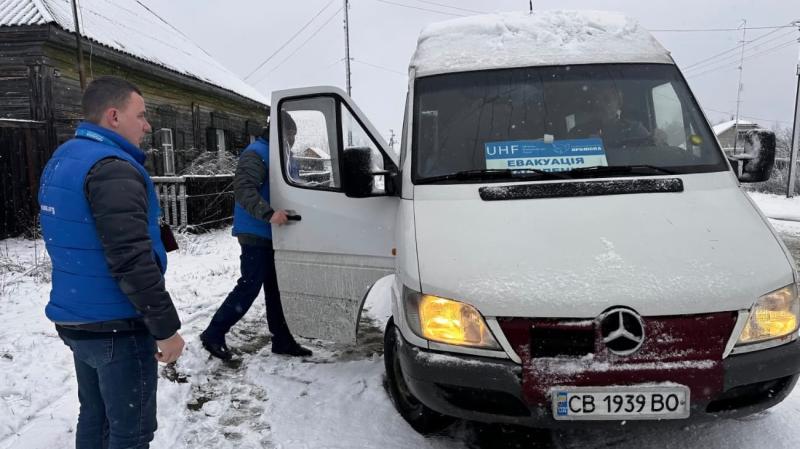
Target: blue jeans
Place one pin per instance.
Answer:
(258, 269)
(117, 379)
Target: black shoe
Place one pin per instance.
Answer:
(292, 349)
(218, 350)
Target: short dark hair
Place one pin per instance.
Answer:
(106, 92)
(288, 125)
(288, 122)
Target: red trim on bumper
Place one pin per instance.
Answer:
(683, 349)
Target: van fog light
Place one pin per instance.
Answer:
(774, 315)
(452, 322)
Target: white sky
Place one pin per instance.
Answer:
(243, 33)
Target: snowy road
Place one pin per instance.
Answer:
(335, 399)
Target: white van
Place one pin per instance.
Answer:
(569, 241)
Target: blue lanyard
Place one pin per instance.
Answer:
(97, 137)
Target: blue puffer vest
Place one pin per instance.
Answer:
(83, 289)
(243, 222)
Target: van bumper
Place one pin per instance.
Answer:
(490, 390)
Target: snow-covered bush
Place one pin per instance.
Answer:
(212, 163)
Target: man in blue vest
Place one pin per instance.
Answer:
(100, 223)
(252, 220)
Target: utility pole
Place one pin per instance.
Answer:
(347, 44)
(795, 131)
(739, 87)
(391, 139)
(81, 73)
(530, 6)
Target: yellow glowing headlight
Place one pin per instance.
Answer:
(453, 322)
(774, 315)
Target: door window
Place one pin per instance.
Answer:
(317, 136)
(308, 143)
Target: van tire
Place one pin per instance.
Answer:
(421, 418)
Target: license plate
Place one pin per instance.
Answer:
(620, 403)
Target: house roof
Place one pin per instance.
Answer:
(130, 27)
(20, 12)
(724, 126)
(541, 38)
(315, 153)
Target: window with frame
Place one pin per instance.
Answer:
(309, 146)
(327, 134)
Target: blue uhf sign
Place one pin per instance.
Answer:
(554, 156)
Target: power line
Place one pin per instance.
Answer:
(289, 40)
(728, 59)
(402, 5)
(174, 28)
(167, 23)
(701, 62)
(380, 67)
(734, 58)
(725, 60)
(751, 56)
(453, 7)
(320, 28)
(736, 63)
(704, 30)
(332, 64)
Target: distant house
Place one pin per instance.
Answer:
(194, 103)
(727, 133)
(314, 165)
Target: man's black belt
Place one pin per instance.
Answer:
(129, 325)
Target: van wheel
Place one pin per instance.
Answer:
(423, 419)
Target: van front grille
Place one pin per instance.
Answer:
(562, 341)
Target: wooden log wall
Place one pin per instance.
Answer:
(39, 83)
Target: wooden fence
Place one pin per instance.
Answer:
(196, 202)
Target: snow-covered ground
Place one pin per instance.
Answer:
(335, 399)
(778, 206)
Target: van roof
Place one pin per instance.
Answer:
(541, 38)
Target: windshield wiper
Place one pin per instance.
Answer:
(493, 173)
(619, 169)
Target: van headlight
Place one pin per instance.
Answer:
(773, 316)
(447, 321)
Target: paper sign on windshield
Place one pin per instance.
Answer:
(559, 155)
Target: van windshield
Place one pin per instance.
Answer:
(582, 121)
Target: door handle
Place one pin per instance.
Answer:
(294, 217)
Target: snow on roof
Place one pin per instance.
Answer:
(316, 153)
(20, 12)
(722, 127)
(542, 38)
(130, 27)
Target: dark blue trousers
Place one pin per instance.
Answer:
(258, 270)
(117, 380)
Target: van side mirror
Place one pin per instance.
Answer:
(755, 164)
(360, 179)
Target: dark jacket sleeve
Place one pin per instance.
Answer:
(118, 199)
(251, 174)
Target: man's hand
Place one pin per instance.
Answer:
(170, 349)
(279, 217)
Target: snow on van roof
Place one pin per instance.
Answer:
(540, 38)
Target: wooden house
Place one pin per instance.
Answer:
(194, 103)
